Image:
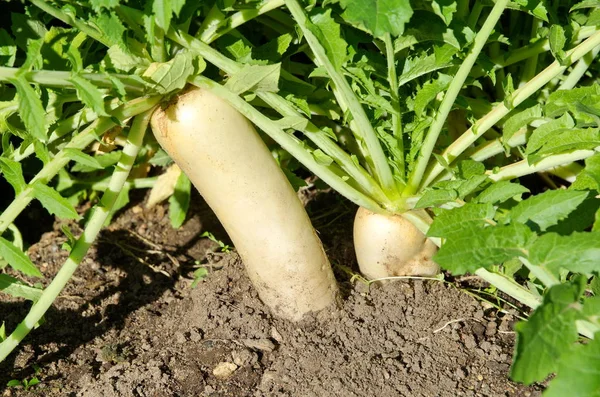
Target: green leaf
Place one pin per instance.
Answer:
(561, 101)
(434, 197)
(378, 17)
(429, 92)
(179, 202)
(589, 178)
(53, 202)
(423, 64)
(8, 49)
(255, 78)
(571, 139)
(547, 208)
(89, 94)
(105, 161)
(97, 5)
(547, 335)
(17, 259)
(543, 133)
(172, 75)
(578, 373)
(274, 49)
(585, 4)
(449, 222)
(162, 13)
(578, 252)
(109, 24)
(41, 152)
(16, 288)
(557, 40)
(475, 247)
(328, 33)
(501, 191)
(31, 110)
(117, 58)
(82, 158)
(445, 9)
(13, 174)
(518, 121)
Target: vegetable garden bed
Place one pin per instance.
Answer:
(125, 329)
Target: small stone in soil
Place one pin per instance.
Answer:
(259, 344)
(224, 370)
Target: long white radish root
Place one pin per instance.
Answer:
(224, 157)
(388, 246)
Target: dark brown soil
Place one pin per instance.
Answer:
(129, 324)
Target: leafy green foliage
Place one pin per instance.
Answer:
(547, 208)
(17, 259)
(547, 335)
(476, 247)
(378, 17)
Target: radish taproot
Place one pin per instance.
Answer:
(390, 245)
(229, 164)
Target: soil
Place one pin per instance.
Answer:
(130, 324)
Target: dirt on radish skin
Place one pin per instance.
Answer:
(122, 328)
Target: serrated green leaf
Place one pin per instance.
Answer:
(432, 198)
(104, 160)
(117, 58)
(501, 191)
(98, 5)
(518, 121)
(547, 208)
(179, 202)
(41, 152)
(454, 220)
(444, 9)
(162, 13)
(274, 49)
(547, 335)
(578, 252)
(12, 172)
(25, 27)
(558, 40)
(111, 27)
(31, 110)
(255, 78)
(17, 259)
(172, 75)
(570, 139)
(328, 32)
(475, 247)
(89, 94)
(429, 92)
(543, 133)
(378, 17)
(82, 158)
(585, 4)
(578, 373)
(592, 169)
(12, 286)
(423, 64)
(8, 49)
(561, 101)
(53, 202)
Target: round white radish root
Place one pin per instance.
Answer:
(229, 164)
(388, 246)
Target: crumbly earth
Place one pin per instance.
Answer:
(129, 324)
